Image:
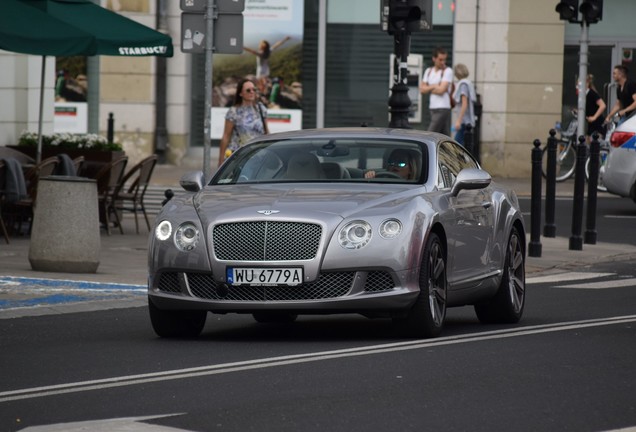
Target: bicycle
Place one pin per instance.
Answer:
(565, 152)
(603, 154)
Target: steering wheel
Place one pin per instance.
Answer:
(387, 174)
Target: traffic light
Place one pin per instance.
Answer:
(592, 10)
(568, 10)
(407, 16)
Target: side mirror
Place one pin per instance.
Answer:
(192, 181)
(470, 178)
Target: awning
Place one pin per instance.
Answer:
(74, 27)
(115, 34)
(26, 30)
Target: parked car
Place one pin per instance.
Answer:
(619, 176)
(388, 223)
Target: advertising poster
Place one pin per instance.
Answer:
(71, 87)
(272, 58)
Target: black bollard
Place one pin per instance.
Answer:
(590, 220)
(576, 240)
(469, 139)
(110, 132)
(549, 229)
(534, 247)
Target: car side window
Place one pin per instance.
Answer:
(451, 159)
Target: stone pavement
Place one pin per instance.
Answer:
(123, 258)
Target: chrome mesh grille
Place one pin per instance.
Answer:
(266, 241)
(328, 285)
(169, 282)
(379, 281)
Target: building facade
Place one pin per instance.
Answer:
(522, 58)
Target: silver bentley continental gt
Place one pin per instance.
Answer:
(390, 223)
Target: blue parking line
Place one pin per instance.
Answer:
(23, 292)
(57, 283)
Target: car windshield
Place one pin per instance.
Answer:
(326, 160)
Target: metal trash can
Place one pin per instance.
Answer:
(66, 235)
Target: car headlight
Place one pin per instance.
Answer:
(163, 230)
(186, 237)
(390, 228)
(355, 234)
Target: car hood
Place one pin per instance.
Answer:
(311, 201)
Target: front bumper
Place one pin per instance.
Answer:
(332, 292)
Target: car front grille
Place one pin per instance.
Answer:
(329, 285)
(266, 241)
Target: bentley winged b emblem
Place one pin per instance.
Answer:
(268, 212)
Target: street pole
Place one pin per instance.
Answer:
(399, 101)
(209, 49)
(582, 81)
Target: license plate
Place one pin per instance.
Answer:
(264, 276)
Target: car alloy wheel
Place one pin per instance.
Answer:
(507, 305)
(426, 317)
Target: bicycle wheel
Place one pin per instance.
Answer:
(602, 159)
(565, 161)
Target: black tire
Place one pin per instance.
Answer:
(426, 317)
(508, 303)
(176, 323)
(565, 163)
(274, 317)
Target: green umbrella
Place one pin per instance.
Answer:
(30, 31)
(74, 27)
(115, 34)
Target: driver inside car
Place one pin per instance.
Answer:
(400, 162)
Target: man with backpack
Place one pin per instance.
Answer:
(437, 81)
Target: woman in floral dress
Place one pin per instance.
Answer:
(245, 120)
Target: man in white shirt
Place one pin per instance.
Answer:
(437, 81)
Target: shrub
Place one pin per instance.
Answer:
(69, 141)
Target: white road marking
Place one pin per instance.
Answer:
(108, 425)
(616, 283)
(564, 277)
(620, 217)
(122, 381)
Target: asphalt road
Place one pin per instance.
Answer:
(567, 366)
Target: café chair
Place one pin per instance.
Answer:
(22, 209)
(108, 178)
(3, 176)
(132, 199)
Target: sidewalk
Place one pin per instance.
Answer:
(123, 258)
